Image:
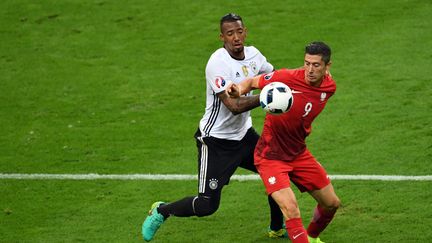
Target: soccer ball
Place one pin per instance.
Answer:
(276, 98)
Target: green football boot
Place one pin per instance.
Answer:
(282, 233)
(314, 240)
(152, 223)
(277, 233)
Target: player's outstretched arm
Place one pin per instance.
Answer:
(249, 84)
(240, 104)
(244, 87)
(233, 99)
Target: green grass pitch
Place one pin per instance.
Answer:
(117, 87)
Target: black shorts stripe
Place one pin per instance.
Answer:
(218, 159)
(203, 167)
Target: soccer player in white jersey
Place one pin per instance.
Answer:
(225, 138)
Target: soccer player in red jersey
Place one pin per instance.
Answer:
(281, 155)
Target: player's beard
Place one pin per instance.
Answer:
(239, 49)
(236, 52)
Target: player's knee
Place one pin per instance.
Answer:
(205, 206)
(333, 205)
(336, 204)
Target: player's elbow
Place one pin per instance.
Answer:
(236, 111)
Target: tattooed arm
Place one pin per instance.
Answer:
(239, 104)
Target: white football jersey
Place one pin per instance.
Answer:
(221, 70)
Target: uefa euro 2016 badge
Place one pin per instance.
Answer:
(213, 184)
(220, 82)
(268, 76)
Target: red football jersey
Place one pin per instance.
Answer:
(283, 136)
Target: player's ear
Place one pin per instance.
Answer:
(221, 37)
(328, 65)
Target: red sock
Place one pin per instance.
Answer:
(296, 232)
(320, 220)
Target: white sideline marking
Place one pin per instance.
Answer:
(182, 177)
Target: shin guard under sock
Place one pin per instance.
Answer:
(320, 220)
(296, 232)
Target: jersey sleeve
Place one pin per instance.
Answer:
(281, 75)
(266, 67)
(217, 75)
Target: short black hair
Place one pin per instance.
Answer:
(230, 17)
(319, 48)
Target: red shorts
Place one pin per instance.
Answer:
(304, 171)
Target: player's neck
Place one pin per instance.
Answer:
(314, 84)
(239, 57)
(236, 55)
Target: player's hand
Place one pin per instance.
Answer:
(233, 90)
